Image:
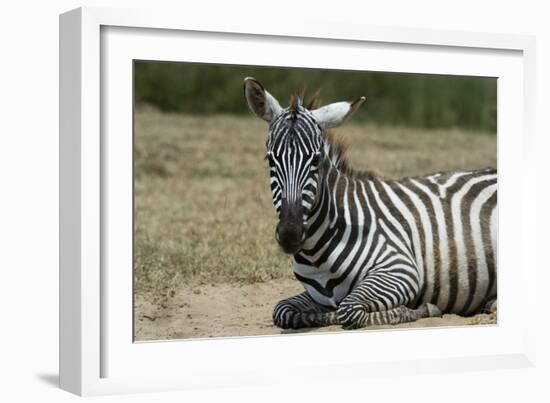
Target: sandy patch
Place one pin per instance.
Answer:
(238, 310)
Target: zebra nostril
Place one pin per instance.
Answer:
(290, 236)
(288, 233)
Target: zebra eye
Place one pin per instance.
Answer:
(316, 158)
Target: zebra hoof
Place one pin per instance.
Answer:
(432, 311)
(351, 316)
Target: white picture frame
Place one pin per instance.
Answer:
(97, 352)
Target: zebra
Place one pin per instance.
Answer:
(372, 251)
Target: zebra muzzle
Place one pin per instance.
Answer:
(290, 237)
(290, 231)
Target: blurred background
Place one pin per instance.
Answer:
(206, 262)
(414, 100)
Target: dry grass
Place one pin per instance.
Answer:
(203, 211)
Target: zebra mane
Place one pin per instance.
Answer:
(313, 102)
(336, 147)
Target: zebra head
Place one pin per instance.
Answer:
(295, 152)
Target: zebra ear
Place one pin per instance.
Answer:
(261, 102)
(335, 114)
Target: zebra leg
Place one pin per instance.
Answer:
(302, 311)
(355, 316)
(376, 302)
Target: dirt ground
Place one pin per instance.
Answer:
(221, 310)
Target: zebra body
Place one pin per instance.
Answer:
(415, 220)
(370, 250)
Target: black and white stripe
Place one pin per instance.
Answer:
(379, 251)
(292, 152)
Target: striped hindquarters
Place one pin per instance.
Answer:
(454, 218)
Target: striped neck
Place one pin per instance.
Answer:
(334, 166)
(336, 208)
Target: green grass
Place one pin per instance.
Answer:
(203, 211)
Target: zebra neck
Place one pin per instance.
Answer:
(336, 216)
